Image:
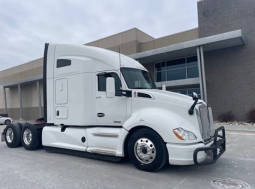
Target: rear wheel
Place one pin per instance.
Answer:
(147, 150)
(12, 135)
(29, 138)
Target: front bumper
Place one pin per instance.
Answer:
(214, 151)
(198, 153)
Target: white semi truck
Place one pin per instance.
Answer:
(104, 105)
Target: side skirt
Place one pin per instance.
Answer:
(82, 154)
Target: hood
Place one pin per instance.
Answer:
(166, 96)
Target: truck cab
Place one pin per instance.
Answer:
(100, 102)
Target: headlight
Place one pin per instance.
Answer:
(182, 134)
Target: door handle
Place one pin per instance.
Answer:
(100, 114)
(58, 113)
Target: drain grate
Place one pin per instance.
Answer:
(230, 184)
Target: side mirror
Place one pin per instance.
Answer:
(110, 87)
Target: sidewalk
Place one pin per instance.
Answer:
(238, 128)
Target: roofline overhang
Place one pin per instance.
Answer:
(214, 42)
(22, 82)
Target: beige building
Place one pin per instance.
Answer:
(211, 60)
(19, 91)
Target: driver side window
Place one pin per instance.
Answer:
(101, 81)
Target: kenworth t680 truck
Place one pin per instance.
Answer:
(104, 105)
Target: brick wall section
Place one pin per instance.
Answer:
(230, 73)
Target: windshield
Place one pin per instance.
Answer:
(137, 79)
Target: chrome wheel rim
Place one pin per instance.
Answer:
(145, 150)
(27, 136)
(9, 135)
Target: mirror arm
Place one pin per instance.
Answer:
(195, 98)
(191, 110)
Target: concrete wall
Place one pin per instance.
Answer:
(127, 42)
(30, 101)
(230, 73)
(17, 74)
(169, 40)
(30, 114)
(22, 72)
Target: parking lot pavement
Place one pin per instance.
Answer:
(38, 169)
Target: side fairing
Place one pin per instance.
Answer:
(48, 81)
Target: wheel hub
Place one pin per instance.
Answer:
(9, 135)
(27, 137)
(145, 150)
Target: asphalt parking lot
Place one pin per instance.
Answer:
(38, 169)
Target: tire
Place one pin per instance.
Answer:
(29, 137)
(7, 122)
(147, 151)
(12, 135)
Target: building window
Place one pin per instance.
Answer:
(192, 67)
(182, 68)
(188, 91)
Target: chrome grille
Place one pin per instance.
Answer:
(205, 121)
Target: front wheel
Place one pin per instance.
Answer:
(147, 150)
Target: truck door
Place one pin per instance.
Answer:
(109, 111)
